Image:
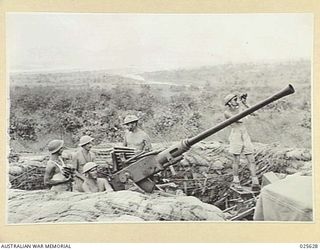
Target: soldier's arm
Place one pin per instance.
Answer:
(78, 175)
(107, 186)
(246, 105)
(125, 143)
(75, 161)
(147, 143)
(49, 173)
(227, 115)
(93, 156)
(75, 164)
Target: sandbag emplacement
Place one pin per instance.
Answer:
(43, 206)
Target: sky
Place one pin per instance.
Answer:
(149, 42)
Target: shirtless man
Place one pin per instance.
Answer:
(92, 183)
(54, 175)
(135, 137)
(81, 157)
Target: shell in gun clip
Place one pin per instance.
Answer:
(66, 175)
(68, 171)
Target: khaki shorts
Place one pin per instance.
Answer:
(240, 142)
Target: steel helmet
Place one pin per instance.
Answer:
(88, 166)
(55, 145)
(228, 98)
(85, 140)
(130, 118)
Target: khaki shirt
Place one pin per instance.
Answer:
(80, 158)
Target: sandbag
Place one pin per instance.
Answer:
(50, 207)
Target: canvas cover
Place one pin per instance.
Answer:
(289, 199)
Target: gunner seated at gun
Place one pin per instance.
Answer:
(92, 183)
(240, 142)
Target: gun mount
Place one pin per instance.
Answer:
(148, 164)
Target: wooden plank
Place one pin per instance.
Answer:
(243, 214)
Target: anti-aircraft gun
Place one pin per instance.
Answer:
(141, 168)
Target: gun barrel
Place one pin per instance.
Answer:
(286, 91)
(150, 164)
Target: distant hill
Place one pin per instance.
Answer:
(246, 74)
(296, 72)
(71, 78)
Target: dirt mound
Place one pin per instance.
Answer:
(50, 207)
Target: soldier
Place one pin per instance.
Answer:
(54, 174)
(81, 157)
(136, 137)
(92, 183)
(239, 138)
